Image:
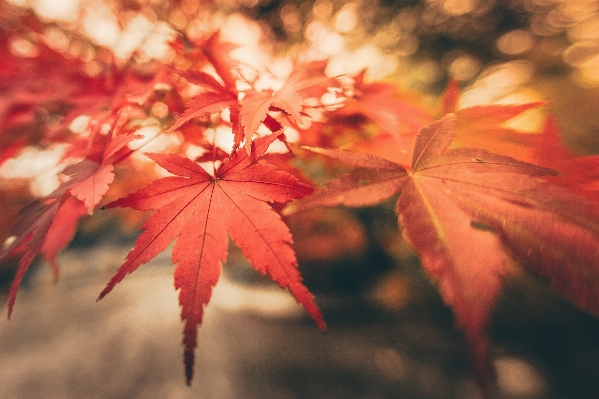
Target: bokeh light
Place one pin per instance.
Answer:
(404, 35)
(40, 166)
(64, 10)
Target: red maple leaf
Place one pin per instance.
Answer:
(483, 126)
(396, 113)
(204, 104)
(378, 118)
(210, 49)
(467, 212)
(47, 225)
(216, 95)
(249, 108)
(305, 81)
(577, 173)
(201, 209)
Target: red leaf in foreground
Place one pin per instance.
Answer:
(466, 211)
(200, 210)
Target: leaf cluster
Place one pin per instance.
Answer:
(474, 196)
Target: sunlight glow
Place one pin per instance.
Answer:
(20, 3)
(23, 48)
(461, 65)
(57, 39)
(429, 71)
(316, 31)
(290, 18)
(156, 44)
(221, 137)
(518, 378)
(132, 37)
(159, 110)
(458, 7)
(79, 124)
(515, 42)
(407, 20)
(194, 151)
(587, 76)
(587, 29)
(322, 9)
(532, 120)
(392, 364)
(247, 34)
(346, 19)
(63, 10)
(154, 140)
(366, 57)
(100, 25)
(407, 45)
(497, 82)
(41, 166)
(272, 302)
(291, 134)
(332, 43)
(583, 53)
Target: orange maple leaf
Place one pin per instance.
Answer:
(200, 210)
(466, 210)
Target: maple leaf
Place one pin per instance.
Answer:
(117, 92)
(396, 113)
(577, 173)
(378, 118)
(482, 126)
(91, 177)
(29, 234)
(467, 211)
(218, 54)
(305, 81)
(200, 210)
(205, 104)
(216, 96)
(253, 109)
(47, 225)
(450, 97)
(202, 79)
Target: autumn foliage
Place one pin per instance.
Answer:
(474, 197)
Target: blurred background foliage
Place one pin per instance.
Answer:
(499, 50)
